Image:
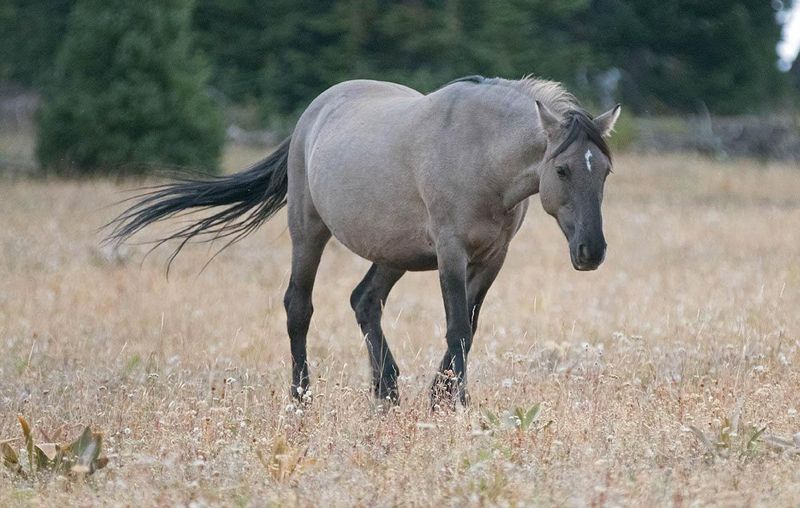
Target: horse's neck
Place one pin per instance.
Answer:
(525, 185)
(523, 177)
(512, 138)
(522, 141)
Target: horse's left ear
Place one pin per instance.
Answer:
(548, 120)
(606, 121)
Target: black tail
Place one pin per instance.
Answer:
(251, 196)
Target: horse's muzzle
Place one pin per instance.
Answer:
(588, 256)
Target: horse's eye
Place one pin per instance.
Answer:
(563, 172)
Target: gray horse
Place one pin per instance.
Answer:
(410, 182)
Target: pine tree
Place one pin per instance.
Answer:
(30, 32)
(306, 54)
(233, 35)
(681, 55)
(129, 93)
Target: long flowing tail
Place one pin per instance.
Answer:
(251, 198)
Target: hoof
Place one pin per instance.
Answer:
(389, 395)
(302, 394)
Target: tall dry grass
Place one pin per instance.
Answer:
(692, 322)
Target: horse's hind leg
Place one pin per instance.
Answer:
(367, 300)
(309, 237)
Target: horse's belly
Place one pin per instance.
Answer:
(383, 237)
(377, 218)
(406, 252)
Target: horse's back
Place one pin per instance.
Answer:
(359, 89)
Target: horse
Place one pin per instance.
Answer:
(410, 182)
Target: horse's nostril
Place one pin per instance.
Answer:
(583, 253)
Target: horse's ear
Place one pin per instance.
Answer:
(548, 120)
(605, 122)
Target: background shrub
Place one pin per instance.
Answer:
(128, 92)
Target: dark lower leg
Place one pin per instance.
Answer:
(479, 280)
(367, 301)
(446, 383)
(450, 382)
(299, 308)
(298, 317)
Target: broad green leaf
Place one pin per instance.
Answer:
(80, 444)
(9, 455)
(82, 455)
(532, 414)
(10, 459)
(754, 438)
(491, 417)
(98, 439)
(42, 460)
(520, 414)
(91, 451)
(49, 449)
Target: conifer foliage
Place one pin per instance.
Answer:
(129, 93)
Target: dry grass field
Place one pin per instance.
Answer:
(691, 323)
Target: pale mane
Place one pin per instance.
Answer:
(550, 93)
(576, 121)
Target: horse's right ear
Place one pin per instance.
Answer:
(606, 121)
(548, 120)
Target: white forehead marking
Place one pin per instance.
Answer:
(588, 157)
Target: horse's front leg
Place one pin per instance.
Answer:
(450, 382)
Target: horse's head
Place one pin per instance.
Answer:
(572, 176)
